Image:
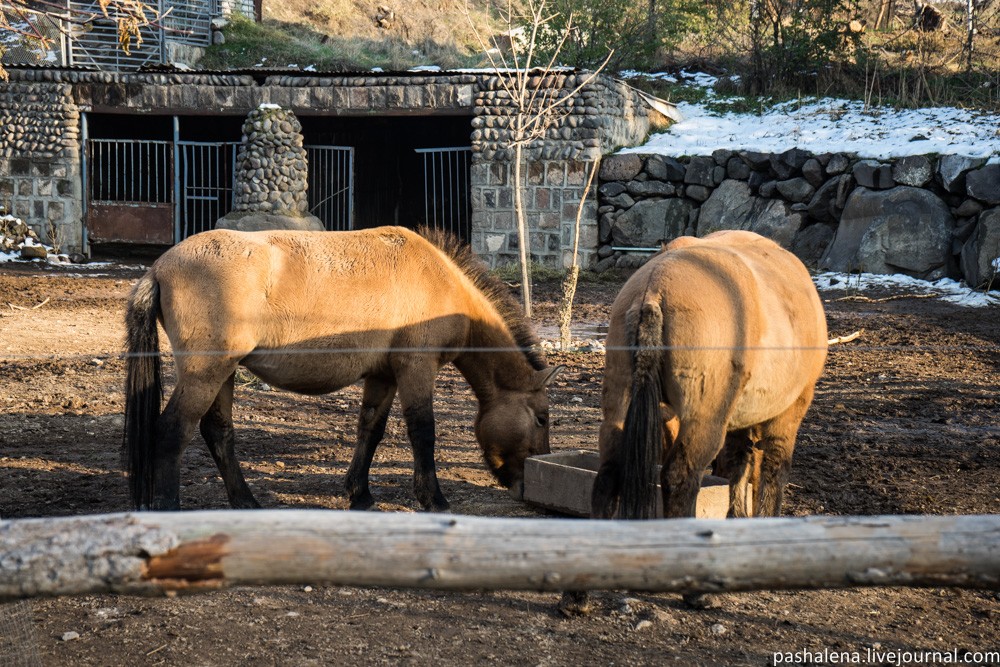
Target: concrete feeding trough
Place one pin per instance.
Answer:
(562, 482)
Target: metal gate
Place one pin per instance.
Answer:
(331, 185)
(145, 191)
(446, 189)
(206, 173)
(129, 191)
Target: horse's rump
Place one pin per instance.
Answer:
(742, 342)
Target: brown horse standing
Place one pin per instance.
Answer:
(714, 341)
(312, 312)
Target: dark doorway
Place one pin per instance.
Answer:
(389, 187)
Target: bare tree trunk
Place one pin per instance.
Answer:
(970, 31)
(569, 283)
(522, 233)
(152, 553)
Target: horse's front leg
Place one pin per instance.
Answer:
(415, 377)
(375, 404)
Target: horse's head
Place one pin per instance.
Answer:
(515, 426)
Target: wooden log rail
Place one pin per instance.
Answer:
(155, 553)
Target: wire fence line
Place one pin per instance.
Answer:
(282, 351)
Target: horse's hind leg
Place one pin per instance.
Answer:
(217, 429)
(375, 405)
(778, 442)
(735, 463)
(680, 479)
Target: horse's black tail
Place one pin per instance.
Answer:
(641, 443)
(143, 389)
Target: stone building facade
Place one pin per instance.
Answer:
(42, 180)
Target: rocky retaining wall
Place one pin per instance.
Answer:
(925, 216)
(40, 160)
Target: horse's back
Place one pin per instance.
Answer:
(369, 290)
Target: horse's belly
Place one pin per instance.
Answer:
(309, 372)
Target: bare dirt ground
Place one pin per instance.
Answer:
(905, 421)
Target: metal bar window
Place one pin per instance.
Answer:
(446, 189)
(126, 170)
(331, 185)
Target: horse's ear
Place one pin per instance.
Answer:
(546, 375)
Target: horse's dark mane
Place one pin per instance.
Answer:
(492, 287)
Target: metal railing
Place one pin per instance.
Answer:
(129, 170)
(206, 174)
(446, 189)
(331, 185)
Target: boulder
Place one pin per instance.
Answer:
(796, 189)
(620, 167)
(901, 230)
(915, 170)
(812, 171)
(981, 253)
(651, 189)
(873, 174)
(811, 242)
(737, 169)
(790, 163)
(953, 168)
(838, 164)
(649, 223)
(700, 171)
(664, 168)
(34, 252)
(984, 183)
(732, 206)
(829, 201)
(612, 189)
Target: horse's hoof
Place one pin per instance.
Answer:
(441, 507)
(363, 503)
(698, 600)
(574, 603)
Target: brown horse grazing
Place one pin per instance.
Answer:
(714, 342)
(312, 312)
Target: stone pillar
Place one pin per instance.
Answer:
(271, 175)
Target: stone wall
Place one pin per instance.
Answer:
(40, 179)
(603, 115)
(606, 114)
(924, 216)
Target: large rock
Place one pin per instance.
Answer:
(700, 171)
(902, 230)
(984, 183)
(732, 206)
(663, 168)
(873, 174)
(790, 163)
(915, 170)
(621, 167)
(829, 201)
(649, 223)
(811, 242)
(981, 253)
(953, 168)
(251, 221)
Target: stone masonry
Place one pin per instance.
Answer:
(925, 216)
(606, 114)
(271, 175)
(40, 177)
